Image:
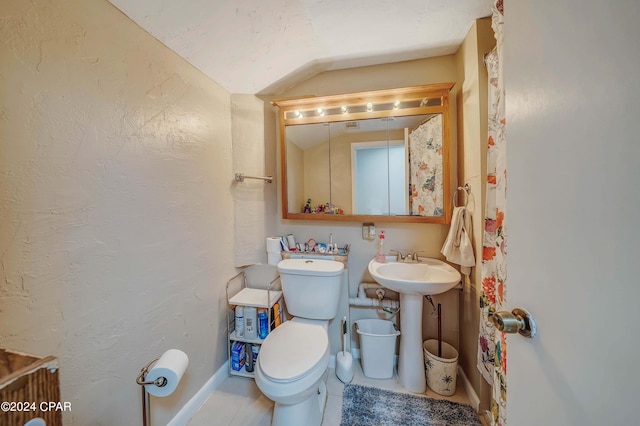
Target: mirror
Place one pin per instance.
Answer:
(373, 156)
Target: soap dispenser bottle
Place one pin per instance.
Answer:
(380, 256)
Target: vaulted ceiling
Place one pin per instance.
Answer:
(266, 46)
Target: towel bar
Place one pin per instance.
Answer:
(240, 177)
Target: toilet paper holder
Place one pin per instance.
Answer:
(164, 378)
(160, 381)
(141, 380)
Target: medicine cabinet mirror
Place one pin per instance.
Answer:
(371, 156)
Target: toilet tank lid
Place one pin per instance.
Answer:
(316, 267)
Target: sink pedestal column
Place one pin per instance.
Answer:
(411, 357)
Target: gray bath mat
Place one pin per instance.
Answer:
(365, 406)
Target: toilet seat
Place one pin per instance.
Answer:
(294, 350)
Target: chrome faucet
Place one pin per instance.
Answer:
(399, 256)
(408, 258)
(414, 256)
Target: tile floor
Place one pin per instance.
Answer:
(239, 402)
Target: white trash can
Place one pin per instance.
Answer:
(441, 371)
(377, 347)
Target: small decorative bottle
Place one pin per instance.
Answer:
(380, 256)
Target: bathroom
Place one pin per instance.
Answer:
(121, 221)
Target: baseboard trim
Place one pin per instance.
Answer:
(193, 405)
(471, 393)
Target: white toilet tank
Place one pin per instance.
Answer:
(311, 287)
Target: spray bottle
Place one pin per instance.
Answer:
(380, 255)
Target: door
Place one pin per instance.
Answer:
(572, 82)
(379, 176)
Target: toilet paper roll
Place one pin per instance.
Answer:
(171, 365)
(273, 244)
(38, 421)
(273, 258)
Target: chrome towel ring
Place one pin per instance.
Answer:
(466, 189)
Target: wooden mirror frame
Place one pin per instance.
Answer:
(310, 104)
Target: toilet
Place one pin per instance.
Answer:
(294, 357)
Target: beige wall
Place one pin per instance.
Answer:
(115, 176)
(472, 160)
(408, 237)
(317, 182)
(247, 127)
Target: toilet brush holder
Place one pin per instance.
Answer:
(344, 359)
(344, 367)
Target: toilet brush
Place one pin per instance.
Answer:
(344, 359)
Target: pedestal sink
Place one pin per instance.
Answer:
(413, 281)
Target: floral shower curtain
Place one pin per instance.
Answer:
(492, 350)
(425, 161)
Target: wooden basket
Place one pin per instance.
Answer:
(29, 380)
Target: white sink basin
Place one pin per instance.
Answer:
(413, 281)
(429, 277)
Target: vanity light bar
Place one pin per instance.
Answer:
(396, 105)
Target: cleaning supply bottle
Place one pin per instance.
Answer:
(263, 323)
(248, 365)
(380, 256)
(239, 321)
(276, 315)
(250, 323)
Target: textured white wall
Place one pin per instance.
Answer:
(115, 205)
(247, 128)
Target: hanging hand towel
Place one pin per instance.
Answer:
(457, 247)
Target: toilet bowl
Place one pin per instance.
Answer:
(294, 357)
(291, 369)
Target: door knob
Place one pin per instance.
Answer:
(516, 321)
